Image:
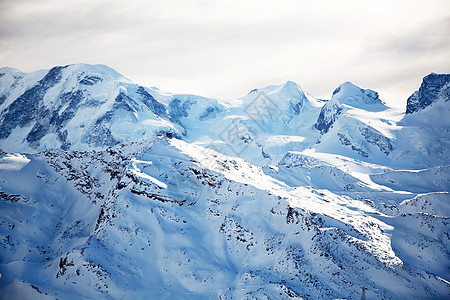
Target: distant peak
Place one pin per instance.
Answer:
(290, 84)
(291, 88)
(106, 71)
(352, 95)
(288, 89)
(4, 70)
(433, 87)
(432, 74)
(348, 87)
(436, 78)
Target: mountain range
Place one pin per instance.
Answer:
(109, 189)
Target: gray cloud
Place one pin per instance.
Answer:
(223, 49)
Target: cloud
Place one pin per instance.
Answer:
(223, 49)
(396, 64)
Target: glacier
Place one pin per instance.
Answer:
(109, 189)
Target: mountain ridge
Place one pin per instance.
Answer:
(88, 91)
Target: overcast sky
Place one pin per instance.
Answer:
(224, 49)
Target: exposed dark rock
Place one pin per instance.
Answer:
(100, 134)
(90, 80)
(3, 99)
(432, 88)
(377, 139)
(25, 109)
(152, 103)
(209, 113)
(125, 103)
(296, 107)
(328, 115)
(178, 109)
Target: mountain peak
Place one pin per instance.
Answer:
(102, 71)
(4, 70)
(434, 86)
(349, 89)
(288, 96)
(288, 88)
(352, 95)
(291, 84)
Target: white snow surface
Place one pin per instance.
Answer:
(117, 191)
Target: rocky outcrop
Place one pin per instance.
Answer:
(433, 87)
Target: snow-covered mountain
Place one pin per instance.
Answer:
(84, 107)
(113, 190)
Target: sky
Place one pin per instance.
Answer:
(223, 49)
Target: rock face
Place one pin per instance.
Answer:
(329, 113)
(29, 107)
(433, 87)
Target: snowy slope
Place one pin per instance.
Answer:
(355, 122)
(113, 190)
(150, 219)
(425, 135)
